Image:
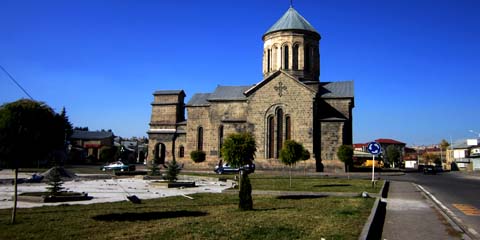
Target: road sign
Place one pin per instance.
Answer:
(374, 148)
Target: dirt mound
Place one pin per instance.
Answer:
(64, 173)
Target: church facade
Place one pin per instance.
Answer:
(289, 103)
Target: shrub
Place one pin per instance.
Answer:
(55, 182)
(173, 169)
(198, 156)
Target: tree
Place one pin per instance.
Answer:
(444, 144)
(55, 182)
(443, 147)
(29, 131)
(393, 155)
(173, 169)
(290, 154)
(345, 154)
(305, 157)
(430, 158)
(238, 150)
(109, 154)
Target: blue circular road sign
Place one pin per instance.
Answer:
(374, 148)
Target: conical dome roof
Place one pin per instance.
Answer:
(291, 20)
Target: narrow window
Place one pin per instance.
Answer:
(307, 59)
(295, 57)
(285, 57)
(200, 139)
(279, 131)
(270, 137)
(269, 60)
(181, 151)
(220, 140)
(288, 128)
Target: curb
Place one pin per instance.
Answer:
(374, 225)
(451, 218)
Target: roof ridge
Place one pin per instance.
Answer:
(291, 19)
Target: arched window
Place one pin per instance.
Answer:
(285, 57)
(288, 128)
(295, 57)
(181, 151)
(220, 140)
(200, 139)
(279, 131)
(269, 59)
(307, 59)
(270, 137)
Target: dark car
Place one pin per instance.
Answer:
(429, 169)
(226, 168)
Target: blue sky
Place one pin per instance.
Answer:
(415, 63)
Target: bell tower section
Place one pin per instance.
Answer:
(292, 45)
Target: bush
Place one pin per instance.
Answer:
(198, 156)
(173, 169)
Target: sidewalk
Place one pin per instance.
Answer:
(411, 216)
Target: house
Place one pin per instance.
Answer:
(86, 145)
(410, 158)
(464, 154)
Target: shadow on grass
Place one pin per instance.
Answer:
(147, 216)
(270, 209)
(300, 197)
(333, 185)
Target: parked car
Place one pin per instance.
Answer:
(429, 169)
(226, 168)
(118, 165)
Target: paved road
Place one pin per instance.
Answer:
(458, 192)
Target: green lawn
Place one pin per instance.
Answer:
(313, 184)
(208, 216)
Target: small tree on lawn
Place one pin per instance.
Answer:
(345, 154)
(238, 150)
(55, 182)
(290, 154)
(173, 169)
(305, 157)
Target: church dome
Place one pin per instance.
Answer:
(291, 20)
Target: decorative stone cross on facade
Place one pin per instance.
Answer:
(280, 88)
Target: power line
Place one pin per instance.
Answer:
(15, 81)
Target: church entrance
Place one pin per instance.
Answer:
(159, 153)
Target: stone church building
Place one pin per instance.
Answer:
(289, 103)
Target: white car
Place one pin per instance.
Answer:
(118, 165)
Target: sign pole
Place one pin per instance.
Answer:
(373, 172)
(374, 148)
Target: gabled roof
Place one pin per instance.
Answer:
(229, 93)
(199, 100)
(291, 20)
(168, 92)
(388, 141)
(269, 78)
(336, 89)
(90, 135)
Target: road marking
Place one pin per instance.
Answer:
(467, 209)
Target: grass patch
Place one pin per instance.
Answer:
(304, 183)
(314, 184)
(208, 216)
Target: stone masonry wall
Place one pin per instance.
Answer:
(296, 101)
